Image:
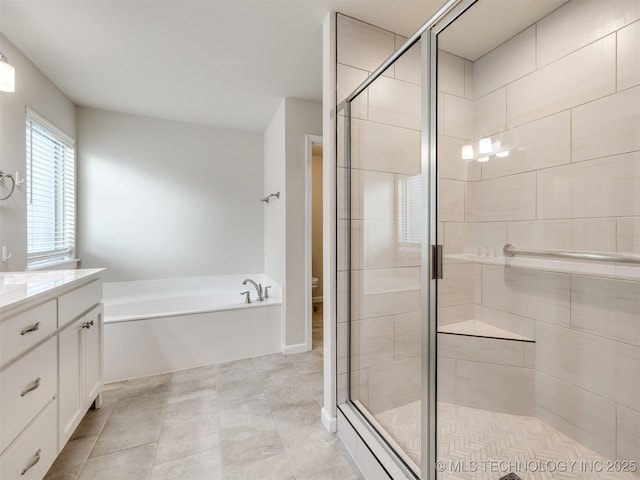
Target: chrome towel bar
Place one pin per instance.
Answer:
(510, 251)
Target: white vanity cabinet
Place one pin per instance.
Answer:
(50, 364)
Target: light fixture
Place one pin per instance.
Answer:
(7, 75)
(504, 153)
(484, 145)
(483, 159)
(467, 152)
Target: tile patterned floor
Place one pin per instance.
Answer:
(255, 419)
(497, 443)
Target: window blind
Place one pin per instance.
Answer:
(50, 192)
(409, 204)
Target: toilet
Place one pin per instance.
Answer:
(314, 285)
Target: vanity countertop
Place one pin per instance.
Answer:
(18, 289)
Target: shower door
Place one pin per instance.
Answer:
(387, 235)
(538, 310)
(384, 218)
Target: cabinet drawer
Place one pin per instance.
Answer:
(20, 332)
(35, 449)
(26, 386)
(75, 303)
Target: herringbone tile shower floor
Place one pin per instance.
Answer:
(478, 444)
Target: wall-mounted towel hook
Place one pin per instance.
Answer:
(268, 197)
(19, 179)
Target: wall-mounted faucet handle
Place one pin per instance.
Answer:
(266, 291)
(248, 296)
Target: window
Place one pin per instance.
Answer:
(409, 207)
(50, 193)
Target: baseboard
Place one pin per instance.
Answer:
(292, 349)
(316, 300)
(328, 421)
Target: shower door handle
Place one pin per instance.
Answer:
(436, 262)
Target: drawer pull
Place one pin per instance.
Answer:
(30, 329)
(87, 325)
(34, 386)
(32, 462)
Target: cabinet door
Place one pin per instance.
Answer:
(93, 354)
(71, 403)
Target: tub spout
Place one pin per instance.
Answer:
(258, 288)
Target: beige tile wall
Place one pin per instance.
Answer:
(628, 234)
(493, 387)
(490, 113)
(481, 349)
(628, 433)
(502, 198)
(510, 61)
(392, 385)
(362, 46)
(535, 294)
(530, 153)
(583, 76)
(584, 416)
(603, 187)
(628, 53)
(580, 23)
(607, 126)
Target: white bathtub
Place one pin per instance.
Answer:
(157, 326)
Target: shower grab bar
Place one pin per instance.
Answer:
(510, 251)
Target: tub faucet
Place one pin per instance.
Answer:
(258, 288)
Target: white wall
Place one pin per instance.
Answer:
(302, 117)
(34, 90)
(274, 181)
(284, 151)
(159, 198)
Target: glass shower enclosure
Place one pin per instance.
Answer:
(489, 241)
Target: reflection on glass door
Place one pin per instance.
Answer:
(384, 218)
(539, 212)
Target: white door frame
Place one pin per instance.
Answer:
(310, 140)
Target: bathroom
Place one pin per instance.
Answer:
(535, 115)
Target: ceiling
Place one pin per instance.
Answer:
(225, 63)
